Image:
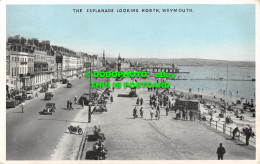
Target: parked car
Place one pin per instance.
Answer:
(29, 95)
(49, 109)
(69, 85)
(48, 96)
(11, 103)
(44, 89)
(54, 85)
(19, 99)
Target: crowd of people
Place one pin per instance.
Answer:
(157, 102)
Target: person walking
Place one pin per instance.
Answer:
(75, 99)
(167, 110)
(137, 101)
(141, 101)
(82, 103)
(235, 132)
(157, 114)
(191, 115)
(151, 113)
(135, 112)
(70, 103)
(36, 94)
(249, 133)
(160, 102)
(111, 98)
(141, 112)
(158, 108)
(22, 106)
(184, 115)
(221, 151)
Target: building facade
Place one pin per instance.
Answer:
(33, 63)
(43, 74)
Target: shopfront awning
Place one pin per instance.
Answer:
(11, 86)
(40, 63)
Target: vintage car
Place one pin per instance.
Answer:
(54, 85)
(44, 89)
(48, 96)
(69, 85)
(19, 99)
(29, 95)
(11, 103)
(64, 81)
(49, 109)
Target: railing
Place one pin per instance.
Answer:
(229, 130)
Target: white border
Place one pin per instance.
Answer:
(3, 4)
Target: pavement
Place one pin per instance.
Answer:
(31, 136)
(164, 139)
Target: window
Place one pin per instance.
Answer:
(12, 71)
(25, 59)
(25, 70)
(12, 58)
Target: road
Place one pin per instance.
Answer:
(31, 136)
(166, 139)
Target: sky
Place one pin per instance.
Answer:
(225, 32)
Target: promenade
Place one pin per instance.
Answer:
(164, 139)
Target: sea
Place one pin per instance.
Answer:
(213, 79)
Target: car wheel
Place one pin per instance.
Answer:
(80, 131)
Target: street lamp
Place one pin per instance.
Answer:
(89, 109)
(119, 63)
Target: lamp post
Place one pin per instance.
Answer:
(119, 63)
(89, 109)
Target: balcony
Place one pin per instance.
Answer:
(23, 63)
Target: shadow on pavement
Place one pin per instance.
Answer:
(90, 155)
(148, 119)
(18, 112)
(72, 133)
(61, 120)
(92, 138)
(131, 118)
